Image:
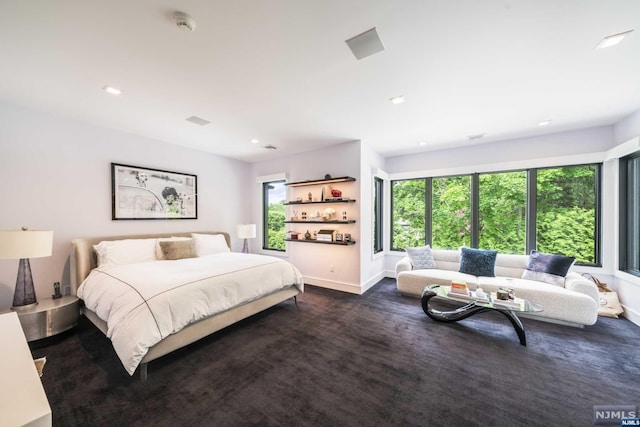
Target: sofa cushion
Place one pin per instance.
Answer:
(421, 257)
(478, 262)
(548, 268)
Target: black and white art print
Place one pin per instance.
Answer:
(141, 193)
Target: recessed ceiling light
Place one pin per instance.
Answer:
(544, 123)
(397, 100)
(613, 39)
(476, 136)
(111, 90)
(255, 141)
(422, 143)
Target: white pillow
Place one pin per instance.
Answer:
(209, 244)
(167, 239)
(128, 251)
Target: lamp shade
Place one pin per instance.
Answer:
(17, 244)
(246, 231)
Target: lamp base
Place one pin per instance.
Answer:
(25, 295)
(245, 247)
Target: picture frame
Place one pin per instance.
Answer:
(139, 193)
(339, 237)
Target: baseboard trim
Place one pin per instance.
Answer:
(630, 314)
(351, 288)
(372, 281)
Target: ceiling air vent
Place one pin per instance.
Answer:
(270, 147)
(365, 44)
(198, 121)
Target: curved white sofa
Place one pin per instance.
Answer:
(575, 304)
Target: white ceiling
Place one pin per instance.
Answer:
(280, 71)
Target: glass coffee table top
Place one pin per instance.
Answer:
(473, 305)
(489, 301)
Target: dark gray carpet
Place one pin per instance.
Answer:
(345, 360)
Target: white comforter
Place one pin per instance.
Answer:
(144, 303)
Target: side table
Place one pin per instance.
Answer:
(49, 317)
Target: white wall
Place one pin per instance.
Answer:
(57, 176)
(371, 265)
(626, 135)
(314, 260)
(504, 154)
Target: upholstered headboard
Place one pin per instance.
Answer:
(83, 257)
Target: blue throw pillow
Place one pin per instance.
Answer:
(478, 262)
(548, 268)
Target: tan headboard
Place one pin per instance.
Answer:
(83, 258)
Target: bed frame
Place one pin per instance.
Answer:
(83, 260)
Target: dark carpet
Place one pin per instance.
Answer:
(347, 360)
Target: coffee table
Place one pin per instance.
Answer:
(474, 305)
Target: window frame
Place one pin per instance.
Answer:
(624, 203)
(265, 215)
(378, 215)
(531, 208)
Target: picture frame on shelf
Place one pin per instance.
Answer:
(145, 193)
(339, 237)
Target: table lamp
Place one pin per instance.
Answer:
(24, 244)
(246, 231)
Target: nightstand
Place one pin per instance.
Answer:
(49, 317)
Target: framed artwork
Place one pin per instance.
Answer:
(142, 193)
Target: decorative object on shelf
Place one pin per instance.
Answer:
(141, 193)
(56, 291)
(347, 237)
(24, 244)
(299, 199)
(325, 235)
(295, 216)
(246, 231)
(327, 176)
(328, 213)
(307, 235)
(304, 216)
(293, 235)
(336, 193)
(339, 237)
(344, 215)
(309, 197)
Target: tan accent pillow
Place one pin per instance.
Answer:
(177, 249)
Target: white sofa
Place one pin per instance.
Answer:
(575, 304)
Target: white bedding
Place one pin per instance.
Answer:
(145, 302)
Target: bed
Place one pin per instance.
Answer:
(233, 287)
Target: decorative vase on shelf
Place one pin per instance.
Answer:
(307, 235)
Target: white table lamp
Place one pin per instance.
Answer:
(246, 231)
(24, 244)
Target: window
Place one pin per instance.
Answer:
(408, 225)
(377, 214)
(451, 217)
(274, 193)
(503, 206)
(566, 206)
(555, 210)
(630, 214)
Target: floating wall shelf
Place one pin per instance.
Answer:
(351, 242)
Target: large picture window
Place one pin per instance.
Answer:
(630, 214)
(408, 213)
(552, 210)
(451, 212)
(274, 194)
